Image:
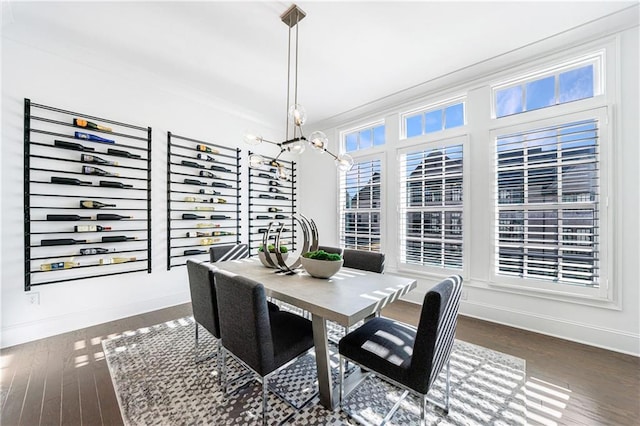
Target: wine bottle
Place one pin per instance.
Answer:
(218, 200)
(207, 225)
(222, 233)
(193, 251)
(208, 192)
(111, 184)
(69, 181)
(97, 250)
(90, 204)
(87, 158)
(117, 239)
(205, 148)
(264, 196)
(205, 157)
(191, 164)
(93, 138)
(109, 216)
(274, 183)
(208, 241)
(194, 182)
(219, 217)
(91, 228)
(72, 145)
(220, 185)
(274, 209)
(262, 230)
(265, 175)
(205, 173)
(274, 190)
(57, 265)
(61, 242)
(65, 217)
(121, 153)
(281, 197)
(113, 260)
(79, 122)
(194, 200)
(190, 216)
(280, 216)
(205, 208)
(220, 169)
(88, 170)
(198, 234)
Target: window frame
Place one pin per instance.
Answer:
(605, 291)
(597, 58)
(424, 145)
(439, 105)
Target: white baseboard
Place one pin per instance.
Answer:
(601, 337)
(34, 330)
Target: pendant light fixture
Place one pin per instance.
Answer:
(295, 140)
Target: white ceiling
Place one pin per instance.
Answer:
(234, 53)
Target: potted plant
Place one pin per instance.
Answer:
(320, 264)
(272, 249)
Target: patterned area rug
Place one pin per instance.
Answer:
(157, 382)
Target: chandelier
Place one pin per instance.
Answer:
(295, 140)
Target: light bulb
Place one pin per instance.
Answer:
(319, 141)
(256, 161)
(251, 138)
(344, 162)
(296, 147)
(297, 114)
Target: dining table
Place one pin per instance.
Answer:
(348, 297)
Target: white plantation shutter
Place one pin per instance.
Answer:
(547, 203)
(360, 206)
(431, 206)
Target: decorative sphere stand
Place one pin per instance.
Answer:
(310, 243)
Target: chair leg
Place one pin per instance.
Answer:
(446, 395)
(341, 380)
(196, 345)
(223, 368)
(219, 363)
(423, 411)
(264, 400)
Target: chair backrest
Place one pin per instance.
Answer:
(244, 321)
(203, 295)
(364, 260)
(228, 252)
(329, 249)
(436, 331)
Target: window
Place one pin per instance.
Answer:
(364, 138)
(548, 203)
(360, 206)
(434, 119)
(561, 84)
(431, 206)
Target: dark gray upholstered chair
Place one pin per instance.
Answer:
(228, 252)
(364, 260)
(403, 355)
(203, 300)
(262, 340)
(329, 249)
(233, 252)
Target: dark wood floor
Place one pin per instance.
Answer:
(64, 380)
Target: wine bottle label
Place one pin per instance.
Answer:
(209, 192)
(98, 250)
(207, 225)
(205, 157)
(205, 208)
(85, 228)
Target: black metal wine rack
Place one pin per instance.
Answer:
(264, 187)
(203, 198)
(64, 241)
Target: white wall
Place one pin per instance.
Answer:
(80, 85)
(614, 325)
